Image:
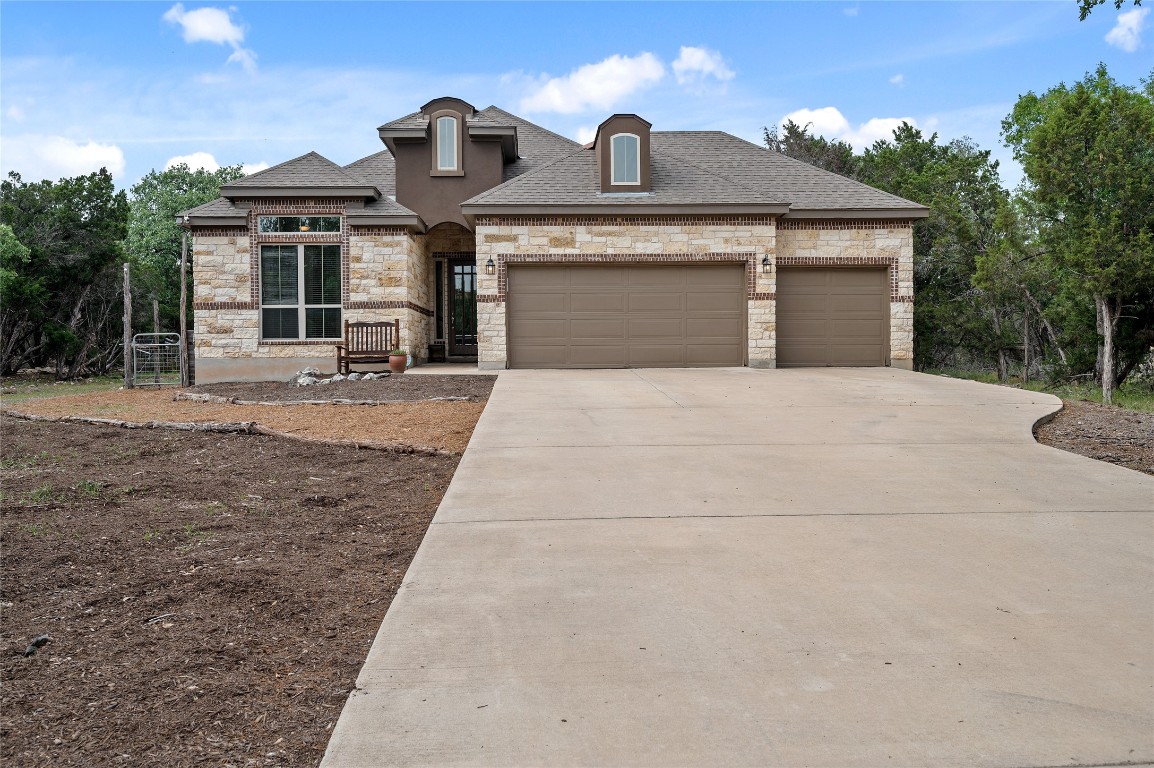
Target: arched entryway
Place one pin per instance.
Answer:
(452, 249)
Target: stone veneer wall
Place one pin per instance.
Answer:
(381, 270)
(822, 242)
(648, 239)
(686, 239)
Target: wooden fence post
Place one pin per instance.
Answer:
(127, 328)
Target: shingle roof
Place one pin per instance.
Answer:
(413, 120)
(310, 170)
(218, 207)
(572, 180)
(805, 186)
(535, 145)
(379, 170)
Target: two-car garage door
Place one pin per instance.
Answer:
(680, 315)
(626, 316)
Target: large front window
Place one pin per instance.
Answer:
(625, 153)
(300, 291)
(274, 224)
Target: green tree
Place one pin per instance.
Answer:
(955, 322)
(797, 142)
(1085, 6)
(64, 289)
(1088, 155)
(153, 241)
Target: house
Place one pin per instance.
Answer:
(494, 240)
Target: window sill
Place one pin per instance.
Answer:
(298, 342)
(446, 173)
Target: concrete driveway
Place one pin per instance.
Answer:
(796, 567)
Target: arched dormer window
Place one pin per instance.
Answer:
(447, 144)
(625, 158)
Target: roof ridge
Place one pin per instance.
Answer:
(527, 175)
(245, 180)
(530, 122)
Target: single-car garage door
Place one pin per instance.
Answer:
(625, 316)
(834, 316)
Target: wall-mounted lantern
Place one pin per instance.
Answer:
(765, 264)
(490, 267)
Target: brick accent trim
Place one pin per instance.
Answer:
(390, 304)
(237, 231)
(368, 229)
(750, 260)
(763, 296)
(844, 224)
(223, 305)
(452, 254)
(297, 342)
(851, 261)
(296, 207)
(641, 220)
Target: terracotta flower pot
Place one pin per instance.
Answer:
(397, 363)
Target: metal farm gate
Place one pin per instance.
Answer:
(156, 359)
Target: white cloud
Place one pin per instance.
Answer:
(208, 162)
(14, 113)
(899, 79)
(194, 161)
(213, 25)
(694, 65)
(36, 157)
(595, 86)
(1127, 31)
(586, 134)
(832, 124)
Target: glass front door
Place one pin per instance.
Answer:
(463, 308)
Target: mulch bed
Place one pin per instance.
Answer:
(396, 387)
(1102, 432)
(210, 598)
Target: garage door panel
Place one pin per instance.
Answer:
(713, 328)
(597, 355)
(863, 279)
(536, 329)
(870, 329)
(597, 328)
(553, 301)
(651, 277)
(656, 302)
(588, 276)
(832, 316)
(643, 328)
(578, 316)
(582, 301)
(732, 301)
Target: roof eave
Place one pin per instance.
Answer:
(357, 191)
(411, 222)
(607, 209)
(920, 212)
(213, 221)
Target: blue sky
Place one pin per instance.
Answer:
(133, 85)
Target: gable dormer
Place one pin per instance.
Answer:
(446, 153)
(447, 119)
(622, 148)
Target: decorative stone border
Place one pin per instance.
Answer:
(640, 220)
(504, 259)
(844, 224)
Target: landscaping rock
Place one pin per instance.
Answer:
(337, 377)
(353, 376)
(305, 381)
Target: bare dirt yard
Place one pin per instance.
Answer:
(209, 599)
(1103, 432)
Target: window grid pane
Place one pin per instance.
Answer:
(322, 274)
(278, 274)
(323, 323)
(446, 143)
(280, 323)
(275, 224)
(625, 149)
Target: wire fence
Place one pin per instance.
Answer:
(156, 359)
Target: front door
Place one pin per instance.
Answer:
(463, 308)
